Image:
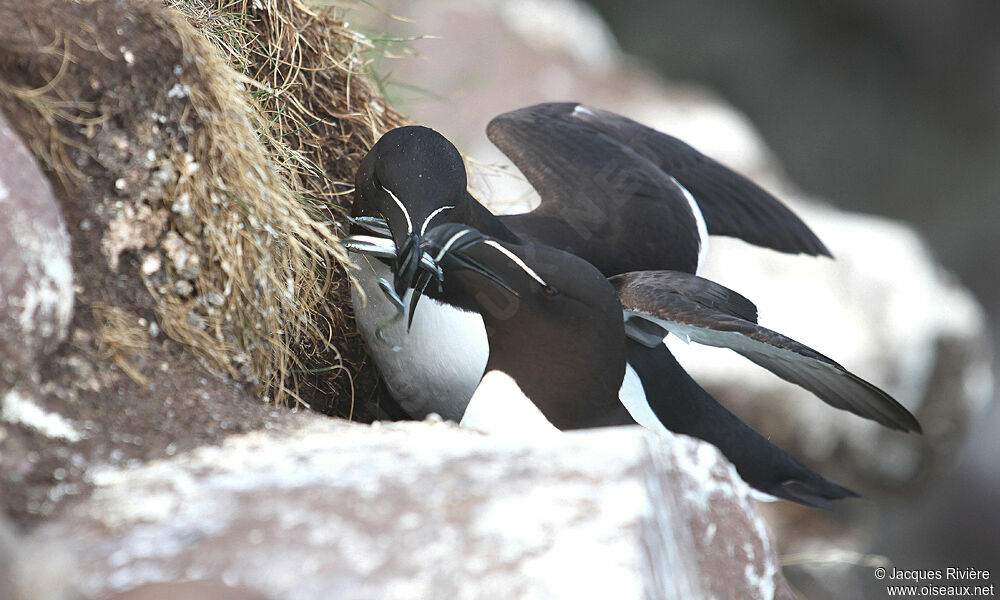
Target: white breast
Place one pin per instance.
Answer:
(633, 397)
(499, 406)
(438, 364)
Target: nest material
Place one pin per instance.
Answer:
(231, 172)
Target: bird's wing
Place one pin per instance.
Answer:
(732, 205)
(597, 191)
(688, 307)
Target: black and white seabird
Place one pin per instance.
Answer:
(611, 194)
(562, 350)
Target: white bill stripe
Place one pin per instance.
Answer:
(517, 261)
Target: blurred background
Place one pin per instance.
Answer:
(888, 106)
(882, 107)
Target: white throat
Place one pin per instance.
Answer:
(499, 406)
(633, 397)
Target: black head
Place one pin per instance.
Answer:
(553, 320)
(413, 177)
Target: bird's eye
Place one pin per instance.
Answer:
(549, 290)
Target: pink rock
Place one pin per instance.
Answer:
(427, 510)
(36, 277)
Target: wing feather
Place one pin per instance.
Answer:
(667, 300)
(731, 204)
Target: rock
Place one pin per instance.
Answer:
(188, 590)
(36, 277)
(32, 569)
(103, 114)
(426, 510)
(8, 550)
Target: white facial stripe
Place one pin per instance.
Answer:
(423, 228)
(450, 242)
(409, 223)
(517, 261)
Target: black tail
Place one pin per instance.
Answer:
(684, 407)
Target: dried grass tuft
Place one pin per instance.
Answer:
(315, 114)
(121, 337)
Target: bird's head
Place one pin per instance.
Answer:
(412, 178)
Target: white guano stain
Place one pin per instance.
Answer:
(18, 410)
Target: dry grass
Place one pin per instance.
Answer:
(121, 337)
(308, 79)
(52, 106)
(315, 114)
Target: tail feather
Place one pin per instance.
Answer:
(684, 407)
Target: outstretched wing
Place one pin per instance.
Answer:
(601, 200)
(732, 205)
(689, 307)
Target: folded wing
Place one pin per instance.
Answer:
(705, 312)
